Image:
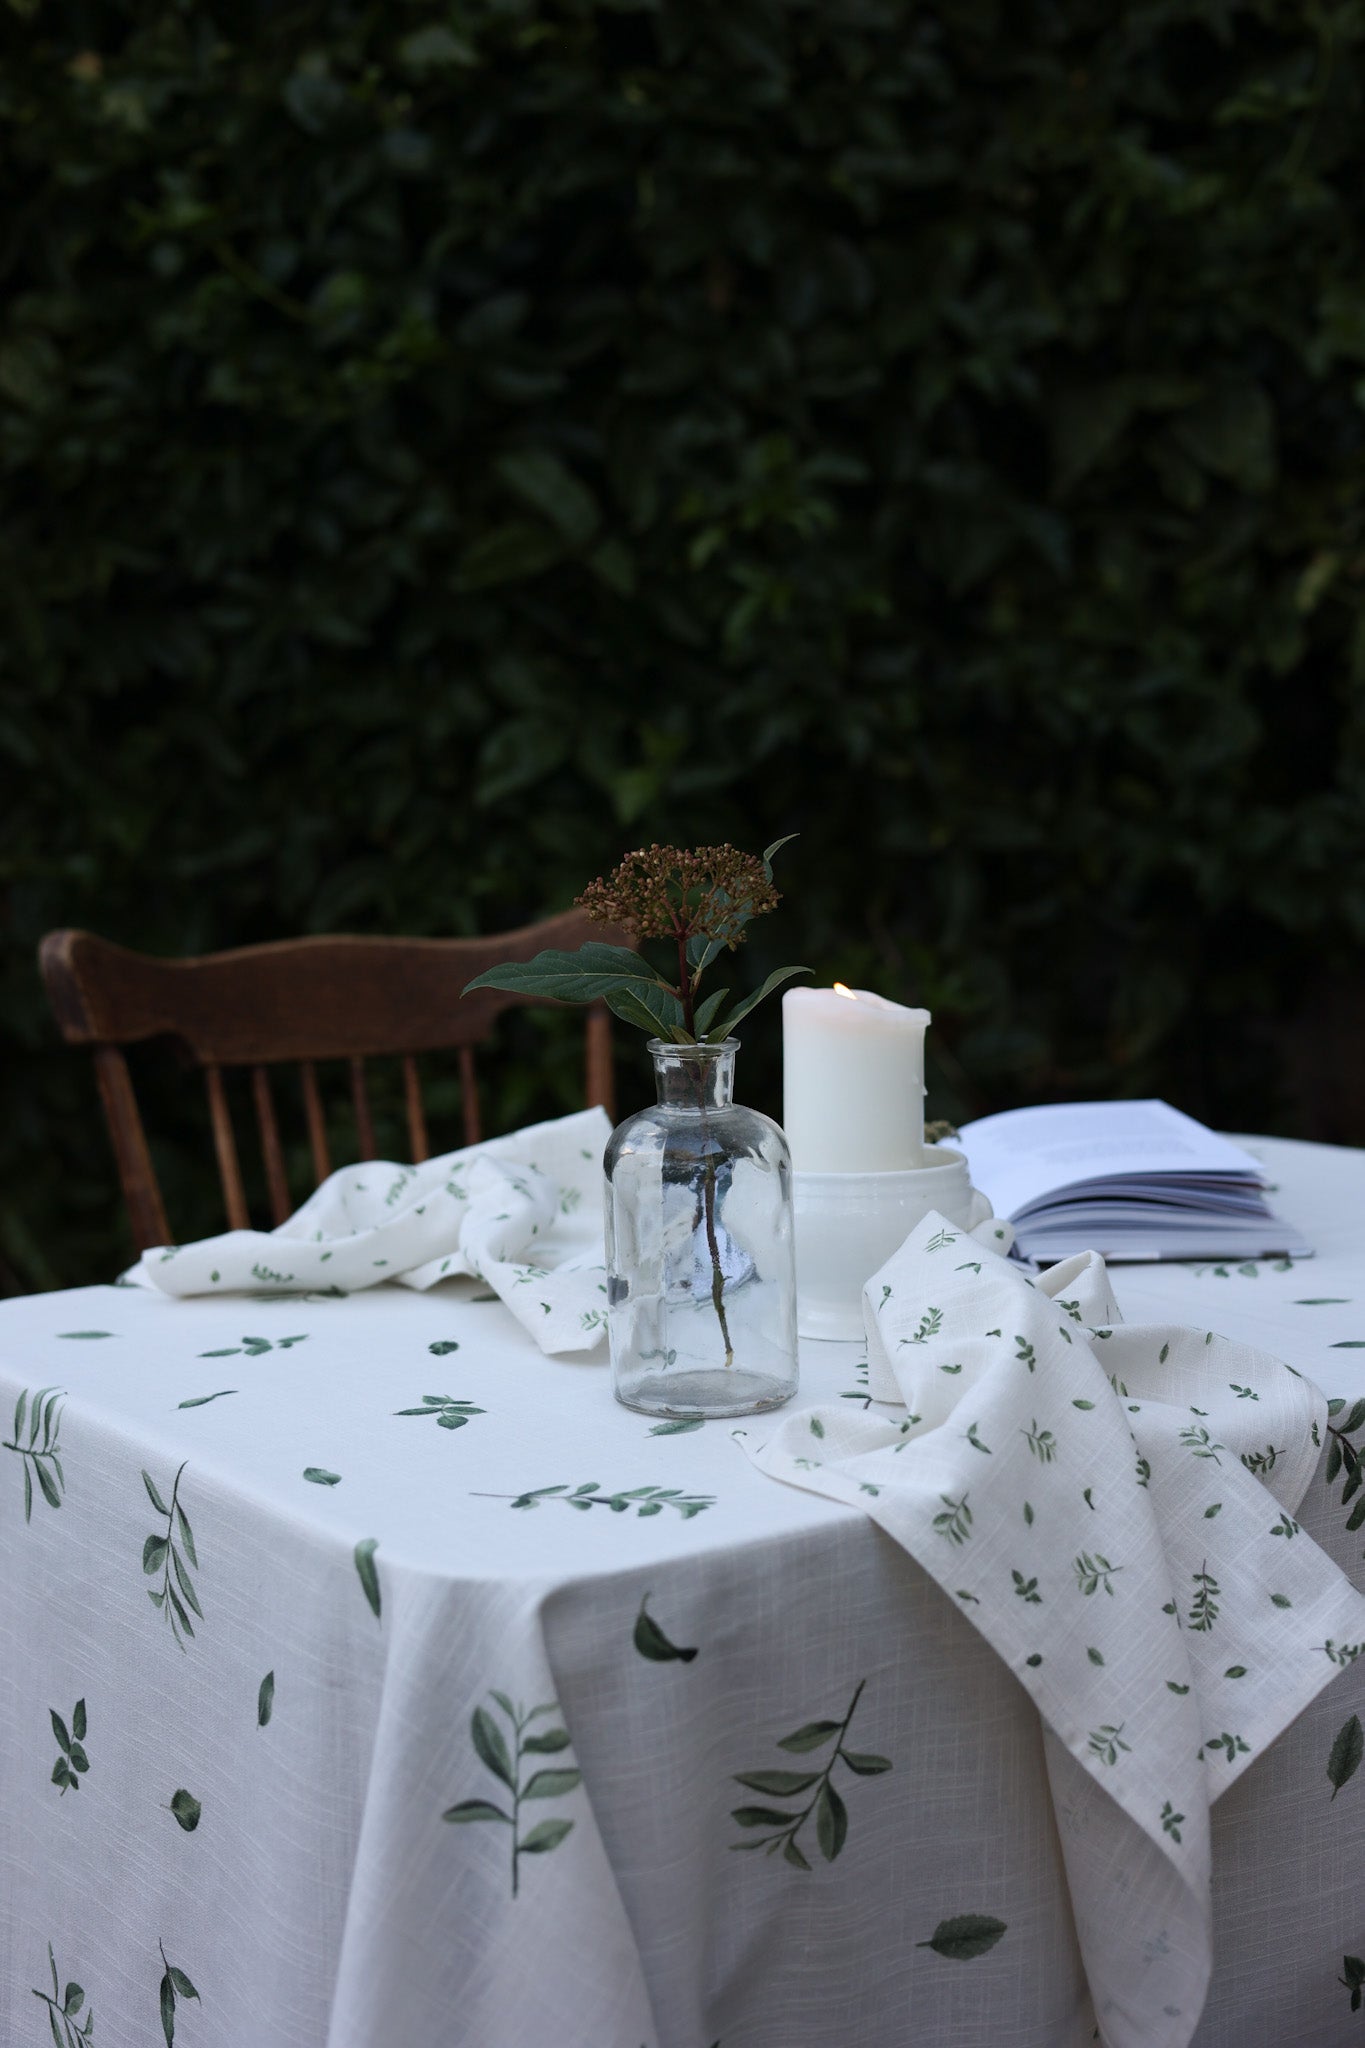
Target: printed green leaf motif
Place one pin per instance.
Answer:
(651, 1642)
(491, 1747)
(552, 1784)
(681, 1425)
(176, 1598)
(367, 1571)
(186, 1809)
(1347, 1751)
(202, 1401)
(174, 1983)
(265, 1700)
(449, 1413)
(443, 1347)
(61, 2017)
(813, 1736)
(39, 1455)
(86, 1334)
(320, 1476)
(781, 1784)
(646, 1500)
(157, 1502)
(831, 1814)
(1354, 1978)
(965, 1937)
(72, 1764)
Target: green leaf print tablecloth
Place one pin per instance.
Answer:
(368, 1677)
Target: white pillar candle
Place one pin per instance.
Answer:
(853, 1081)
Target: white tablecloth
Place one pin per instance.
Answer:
(471, 1611)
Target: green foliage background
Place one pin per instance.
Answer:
(446, 445)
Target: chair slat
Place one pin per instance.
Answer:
(469, 1094)
(417, 1123)
(599, 1077)
(271, 1150)
(146, 1212)
(364, 1123)
(317, 1123)
(225, 1146)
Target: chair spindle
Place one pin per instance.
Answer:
(417, 1123)
(363, 1122)
(146, 1212)
(272, 1152)
(317, 1124)
(225, 1146)
(469, 1096)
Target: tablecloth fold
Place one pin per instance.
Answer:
(1113, 1508)
(522, 1213)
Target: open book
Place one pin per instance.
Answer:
(1134, 1180)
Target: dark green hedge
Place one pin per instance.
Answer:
(445, 446)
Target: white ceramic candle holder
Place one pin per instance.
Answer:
(849, 1224)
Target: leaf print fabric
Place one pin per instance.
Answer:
(515, 1211)
(1147, 1533)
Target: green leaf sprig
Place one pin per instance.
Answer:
(552, 1782)
(41, 1459)
(173, 1983)
(73, 1760)
(700, 902)
(168, 1555)
(831, 1815)
(1348, 1457)
(62, 2010)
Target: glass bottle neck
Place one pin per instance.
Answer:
(694, 1076)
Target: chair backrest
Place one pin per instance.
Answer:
(298, 1000)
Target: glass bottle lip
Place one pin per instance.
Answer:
(699, 1051)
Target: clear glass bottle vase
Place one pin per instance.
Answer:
(701, 1272)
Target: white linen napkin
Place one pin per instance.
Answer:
(1112, 1507)
(522, 1213)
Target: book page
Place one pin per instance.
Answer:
(1021, 1155)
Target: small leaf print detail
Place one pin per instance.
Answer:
(964, 1938)
(1041, 1442)
(174, 1984)
(449, 1413)
(1094, 1572)
(1347, 1751)
(63, 2009)
(186, 1809)
(1170, 1821)
(681, 1425)
(1353, 1977)
(1204, 1606)
(41, 1454)
(173, 1555)
(646, 1500)
(1106, 1741)
(831, 1815)
(1232, 1744)
(651, 1641)
(1025, 1353)
(1197, 1439)
(1027, 1589)
(85, 1335)
(368, 1573)
(956, 1520)
(320, 1476)
(265, 1700)
(491, 1747)
(73, 1762)
(202, 1400)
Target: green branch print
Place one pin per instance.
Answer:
(1347, 1752)
(256, 1347)
(167, 1554)
(1106, 1741)
(831, 1815)
(956, 1520)
(1354, 1979)
(173, 1983)
(41, 1459)
(1342, 1455)
(449, 1413)
(965, 1936)
(62, 2008)
(554, 1782)
(1041, 1442)
(1204, 1606)
(1094, 1572)
(646, 1500)
(73, 1761)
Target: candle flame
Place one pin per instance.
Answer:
(841, 990)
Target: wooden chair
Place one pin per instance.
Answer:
(300, 1000)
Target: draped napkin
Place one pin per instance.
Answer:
(1113, 1508)
(521, 1213)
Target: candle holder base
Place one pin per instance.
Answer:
(849, 1224)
